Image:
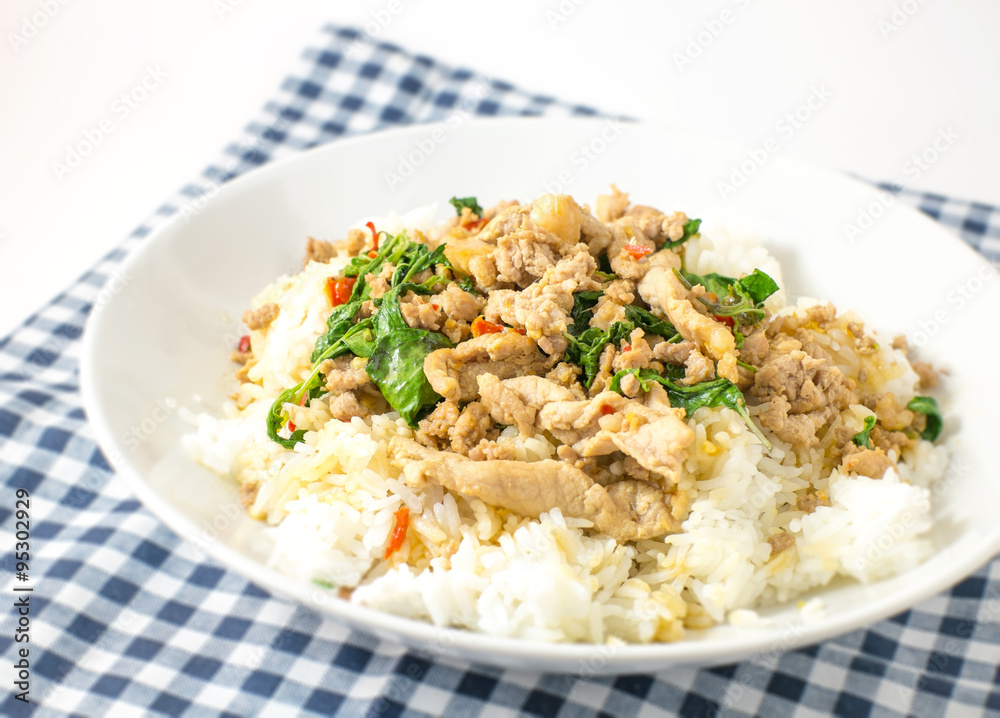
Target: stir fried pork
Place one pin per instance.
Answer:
(580, 328)
(453, 372)
(662, 289)
(628, 510)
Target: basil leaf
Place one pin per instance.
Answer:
(396, 364)
(583, 311)
(758, 285)
(586, 349)
(718, 284)
(863, 438)
(928, 406)
(459, 202)
(649, 322)
(720, 392)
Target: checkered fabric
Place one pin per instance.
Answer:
(127, 619)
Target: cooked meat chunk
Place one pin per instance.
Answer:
(612, 206)
(636, 354)
(620, 291)
(927, 373)
(318, 250)
(624, 262)
(607, 312)
(505, 405)
(808, 501)
(248, 493)
(458, 304)
(661, 289)
(697, 368)
(421, 312)
(470, 429)
(656, 436)
(656, 226)
(357, 239)
(436, 426)
(674, 353)
(804, 394)
(487, 450)
(346, 406)
(867, 462)
(628, 510)
(899, 342)
(522, 257)
(344, 373)
(452, 373)
(380, 283)
(780, 542)
(567, 375)
(261, 317)
(892, 415)
(755, 348)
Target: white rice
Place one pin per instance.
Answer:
(333, 502)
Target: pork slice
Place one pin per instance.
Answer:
(453, 373)
(627, 511)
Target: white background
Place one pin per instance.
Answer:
(898, 73)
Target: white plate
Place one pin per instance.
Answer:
(169, 331)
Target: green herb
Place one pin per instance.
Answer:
(649, 322)
(323, 584)
(743, 300)
(720, 392)
(583, 311)
(604, 264)
(718, 284)
(396, 364)
(604, 276)
(863, 438)
(690, 230)
(758, 285)
(749, 367)
(395, 352)
(928, 406)
(585, 350)
(460, 202)
(311, 386)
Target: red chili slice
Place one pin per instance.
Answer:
(339, 290)
(605, 410)
(637, 251)
(399, 532)
(244, 346)
(480, 326)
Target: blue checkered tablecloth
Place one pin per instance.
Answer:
(126, 619)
